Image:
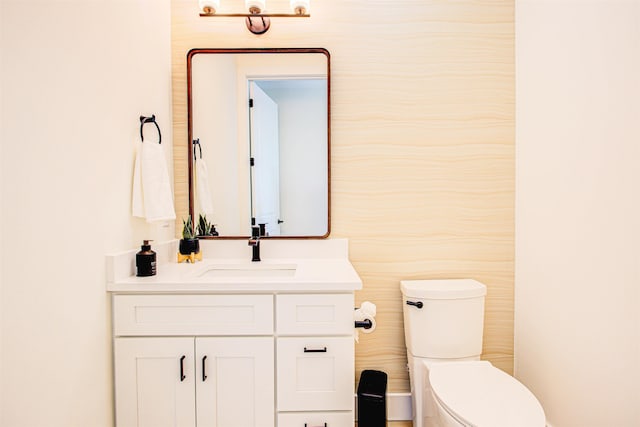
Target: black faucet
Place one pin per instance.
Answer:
(254, 242)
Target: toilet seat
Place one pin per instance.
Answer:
(478, 394)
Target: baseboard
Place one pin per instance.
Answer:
(398, 406)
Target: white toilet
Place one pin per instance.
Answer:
(450, 386)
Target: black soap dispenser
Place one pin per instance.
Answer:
(146, 260)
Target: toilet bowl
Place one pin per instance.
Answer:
(450, 386)
(478, 394)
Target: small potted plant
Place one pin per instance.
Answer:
(189, 244)
(205, 228)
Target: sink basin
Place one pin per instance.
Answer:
(248, 270)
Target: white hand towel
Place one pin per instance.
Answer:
(152, 197)
(203, 190)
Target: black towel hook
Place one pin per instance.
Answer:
(151, 119)
(197, 142)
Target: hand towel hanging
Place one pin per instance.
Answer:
(203, 190)
(152, 197)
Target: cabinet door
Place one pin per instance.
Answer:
(154, 382)
(315, 374)
(235, 382)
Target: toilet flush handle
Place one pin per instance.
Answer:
(418, 304)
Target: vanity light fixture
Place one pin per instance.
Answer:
(256, 17)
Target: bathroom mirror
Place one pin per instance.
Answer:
(259, 140)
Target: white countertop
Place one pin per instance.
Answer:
(320, 272)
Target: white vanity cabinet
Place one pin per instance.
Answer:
(194, 379)
(234, 360)
(315, 360)
(165, 382)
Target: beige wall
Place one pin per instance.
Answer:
(578, 210)
(422, 147)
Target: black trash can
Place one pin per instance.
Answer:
(372, 399)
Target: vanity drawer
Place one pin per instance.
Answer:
(315, 373)
(316, 419)
(315, 314)
(192, 315)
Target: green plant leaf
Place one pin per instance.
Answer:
(187, 228)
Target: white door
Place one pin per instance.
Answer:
(235, 382)
(154, 382)
(265, 151)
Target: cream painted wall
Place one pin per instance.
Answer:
(577, 324)
(422, 147)
(1, 199)
(75, 76)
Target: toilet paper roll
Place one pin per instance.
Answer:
(367, 311)
(369, 308)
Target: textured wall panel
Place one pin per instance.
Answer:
(422, 147)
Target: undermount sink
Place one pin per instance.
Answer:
(248, 270)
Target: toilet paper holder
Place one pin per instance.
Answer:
(364, 318)
(368, 308)
(366, 324)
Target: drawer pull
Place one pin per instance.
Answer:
(182, 376)
(315, 350)
(418, 304)
(325, 425)
(204, 375)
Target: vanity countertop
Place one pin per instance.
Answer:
(309, 271)
(308, 275)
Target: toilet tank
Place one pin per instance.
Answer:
(443, 319)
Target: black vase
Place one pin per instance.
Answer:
(189, 246)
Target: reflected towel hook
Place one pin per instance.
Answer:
(151, 119)
(197, 142)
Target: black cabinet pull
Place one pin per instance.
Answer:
(204, 375)
(182, 377)
(418, 304)
(315, 350)
(325, 425)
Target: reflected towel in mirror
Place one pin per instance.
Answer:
(203, 190)
(152, 198)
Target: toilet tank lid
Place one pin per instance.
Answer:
(443, 288)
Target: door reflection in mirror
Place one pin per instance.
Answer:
(288, 145)
(265, 159)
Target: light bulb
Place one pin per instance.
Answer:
(209, 6)
(255, 6)
(300, 7)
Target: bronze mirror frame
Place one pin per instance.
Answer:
(266, 51)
